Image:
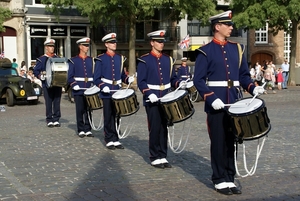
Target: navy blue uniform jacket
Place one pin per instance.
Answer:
(221, 61)
(155, 71)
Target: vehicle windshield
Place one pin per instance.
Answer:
(8, 71)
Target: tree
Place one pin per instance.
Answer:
(280, 15)
(134, 11)
(4, 15)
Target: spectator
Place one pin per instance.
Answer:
(15, 65)
(285, 73)
(279, 78)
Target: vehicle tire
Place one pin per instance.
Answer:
(10, 99)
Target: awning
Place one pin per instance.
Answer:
(194, 47)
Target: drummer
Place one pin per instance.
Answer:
(183, 71)
(80, 77)
(218, 76)
(52, 95)
(109, 74)
(156, 76)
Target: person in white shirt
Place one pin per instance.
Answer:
(285, 73)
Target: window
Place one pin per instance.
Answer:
(287, 44)
(140, 31)
(194, 29)
(261, 35)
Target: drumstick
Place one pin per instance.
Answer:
(180, 86)
(241, 104)
(112, 90)
(255, 95)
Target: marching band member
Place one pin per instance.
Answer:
(52, 94)
(80, 75)
(155, 77)
(109, 74)
(220, 69)
(183, 71)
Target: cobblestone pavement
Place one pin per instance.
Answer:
(40, 163)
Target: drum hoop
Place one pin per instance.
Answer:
(125, 97)
(250, 112)
(176, 98)
(89, 89)
(189, 84)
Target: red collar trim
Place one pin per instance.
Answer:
(50, 55)
(219, 42)
(156, 55)
(82, 56)
(110, 54)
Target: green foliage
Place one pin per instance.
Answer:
(102, 11)
(4, 15)
(252, 14)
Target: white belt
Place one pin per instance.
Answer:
(83, 79)
(159, 87)
(113, 82)
(228, 83)
(185, 76)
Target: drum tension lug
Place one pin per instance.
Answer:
(239, 140)
(170, 123)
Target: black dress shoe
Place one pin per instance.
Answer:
(224, 191)
(167, 165)
(119, 147)
(235, 190)
(161, 166)
(111, 147)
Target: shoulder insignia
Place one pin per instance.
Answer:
(139, 59)
(96, 58)
(39, 59)
(145, 55)
(100, 55)
(71, 60)
(201, 51)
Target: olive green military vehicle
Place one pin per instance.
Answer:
(14, 89)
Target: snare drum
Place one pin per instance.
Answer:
(92, 97)
(249, 122)
(191, 87)
(177, 106)
(56, 72)
(125, 102)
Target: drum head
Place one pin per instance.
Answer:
(242, 107)
(48, 73)
(172, 96)
(91, 91)
(189, 84)
(123, 93)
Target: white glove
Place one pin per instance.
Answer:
(42, 77)
(258, 90)
(153, 98)
(76, 87)
(183, 84)
(106, 89)
(218, 104)
(130, 79)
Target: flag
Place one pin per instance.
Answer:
(185, 43)
(2, 55)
